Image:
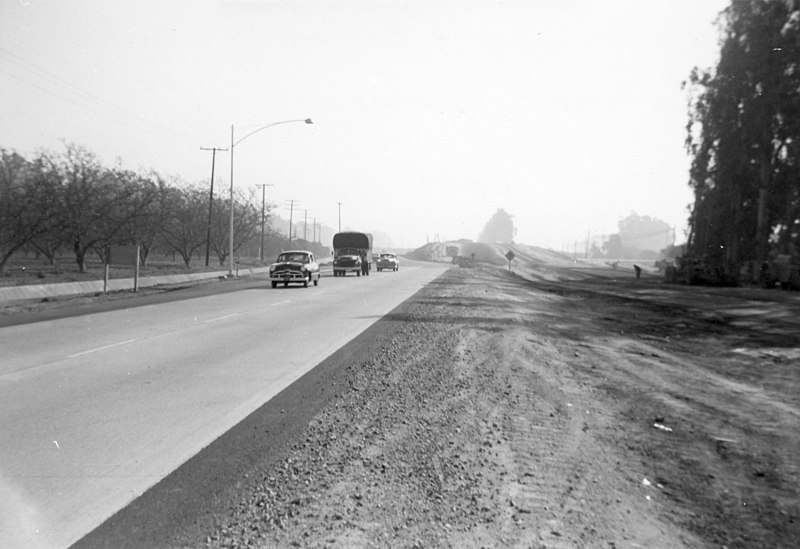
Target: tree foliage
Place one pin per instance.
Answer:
(499, 228)
(27, 203)
(642, 232)
(743, 132)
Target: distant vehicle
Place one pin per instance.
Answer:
(295, 266)
(352, 252)
(388, 261)
(464, 262)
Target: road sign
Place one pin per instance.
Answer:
(510, 255)
(127, 256)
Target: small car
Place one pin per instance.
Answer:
(295, 266)
(388, 261)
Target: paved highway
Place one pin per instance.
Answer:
(98, 408)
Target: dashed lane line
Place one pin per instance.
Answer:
(103, 348)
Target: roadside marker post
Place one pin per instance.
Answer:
(124, 256)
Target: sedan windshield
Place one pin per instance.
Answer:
(296, 258)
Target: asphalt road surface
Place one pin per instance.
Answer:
(98, 408)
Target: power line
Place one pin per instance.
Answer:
(80, 98)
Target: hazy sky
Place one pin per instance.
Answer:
(428, 115)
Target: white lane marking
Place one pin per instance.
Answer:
(120, 343)
(282, 302)
(221, 318)
(103, 348)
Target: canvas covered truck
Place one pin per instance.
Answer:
(352, 253)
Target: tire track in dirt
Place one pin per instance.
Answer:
(541, 439)
(553, 469)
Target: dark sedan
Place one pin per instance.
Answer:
(295, 266)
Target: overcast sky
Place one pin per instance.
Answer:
(428, 115)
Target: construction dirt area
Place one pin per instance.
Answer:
(549, 407)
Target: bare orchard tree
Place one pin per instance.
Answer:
(146, 227)
(97, 202)
(27, 203)
(246, 223)
(184, 227)
(49, 244)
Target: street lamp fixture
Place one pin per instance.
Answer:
(233, 144)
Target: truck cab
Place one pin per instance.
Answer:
(352, 252)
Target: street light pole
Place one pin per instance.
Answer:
(233, 144)
(230, 229)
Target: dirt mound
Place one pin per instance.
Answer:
(492, 254)
(535, 254)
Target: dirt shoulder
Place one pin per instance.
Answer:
(492, 411)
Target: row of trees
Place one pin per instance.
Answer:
(54, 202)
(638, 237)
(744, 138)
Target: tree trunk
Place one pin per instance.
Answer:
(762, 227)
(80, 257)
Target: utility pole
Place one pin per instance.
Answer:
(210, 196)
(315, 231)
(340, 216)
(305, 225)
(588, 239)
(291, 213)
(263, 218)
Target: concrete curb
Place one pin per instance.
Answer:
(41, 291)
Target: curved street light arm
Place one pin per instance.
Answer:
(306, 120)
(233, 144)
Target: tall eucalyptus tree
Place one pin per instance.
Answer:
(743, 136)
